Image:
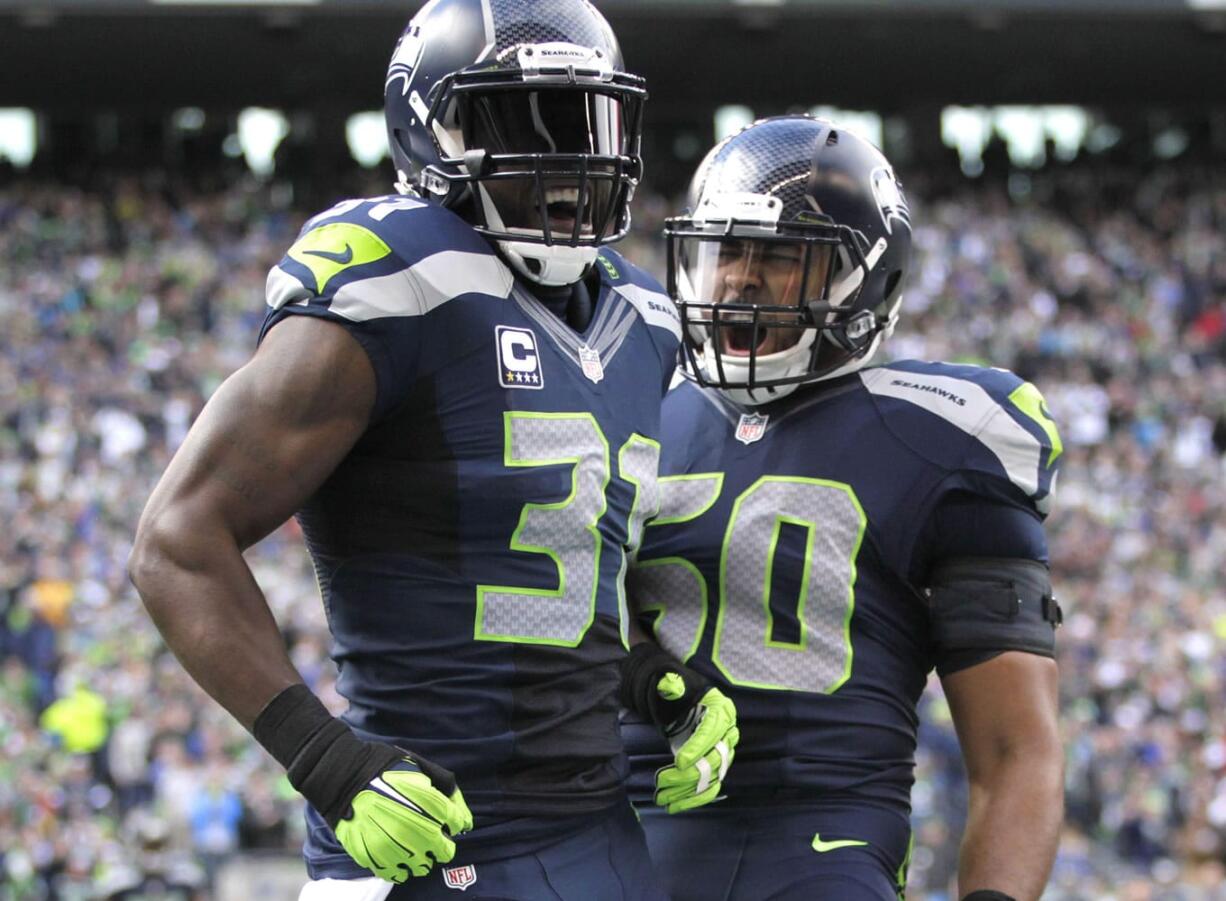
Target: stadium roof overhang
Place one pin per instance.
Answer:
(78, 54)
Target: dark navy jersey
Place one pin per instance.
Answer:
(792, 549)
(470, 549)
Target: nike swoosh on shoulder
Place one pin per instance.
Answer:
(822, 847)
(345, 256)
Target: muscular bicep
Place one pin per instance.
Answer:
(1004, 707)
(271, 434)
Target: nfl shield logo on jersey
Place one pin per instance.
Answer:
(519, 363)
(589, 359)
(751, 427)
(460, 877)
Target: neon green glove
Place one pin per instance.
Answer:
(703, 749)
(394, 811)
(403, 820)
(698, 720)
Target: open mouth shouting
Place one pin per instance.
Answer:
(742, 339)
(562, 208)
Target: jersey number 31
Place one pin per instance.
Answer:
(567, 531)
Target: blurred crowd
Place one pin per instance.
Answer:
(125, 305)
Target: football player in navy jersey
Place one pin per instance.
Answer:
(457, 390)
(829, 532)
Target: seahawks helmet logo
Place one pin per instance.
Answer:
(890, 202)
(405, 60)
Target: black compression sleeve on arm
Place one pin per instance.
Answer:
(288, 721)
(981, 606)
(984, 894)
(641, 671)
(324, 760)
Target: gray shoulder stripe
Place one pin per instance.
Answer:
(969, 407)
(378, 298)
(655, 308)
(413, 291)
(443, 276)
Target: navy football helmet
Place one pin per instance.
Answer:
(519, 114)
(788, 266)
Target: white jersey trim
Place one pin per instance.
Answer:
(655, 308)
(377, 298)
(444, 276)
(282, 289)
(413, 291)
(373, 889)
(969, 407)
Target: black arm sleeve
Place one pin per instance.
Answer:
(984, 606)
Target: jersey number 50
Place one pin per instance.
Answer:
(830, 517)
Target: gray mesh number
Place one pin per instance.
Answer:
(671, 585)
(744, 651)
(565, 531)
(638, 462)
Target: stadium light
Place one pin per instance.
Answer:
(1170, 143)
(1067, 126)
(189, 118)
(731, 119)
(1022, 129)
(259, 133)
(967, 129)
(864, 123)
(18, 136)
(1102, 137)
(366, 135)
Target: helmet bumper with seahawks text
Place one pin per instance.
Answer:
(788, 267)
(519, 115)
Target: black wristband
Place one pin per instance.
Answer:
(986, 894)
(324, 760)
(641, 671)
(288, 721)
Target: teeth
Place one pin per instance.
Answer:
(562, 195)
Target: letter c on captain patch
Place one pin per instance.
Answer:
(519, 362)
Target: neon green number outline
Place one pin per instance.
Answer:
(716, 478)
(632, 541)
(720, 621)
(516, 545)
(663, 608)
(717, 484)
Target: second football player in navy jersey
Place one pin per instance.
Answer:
(829, 533)
(458, 392)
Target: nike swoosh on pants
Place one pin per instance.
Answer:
(822, 847)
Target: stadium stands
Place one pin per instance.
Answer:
(126, 304)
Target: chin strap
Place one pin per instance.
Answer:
(548, 265)
(544, 264)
